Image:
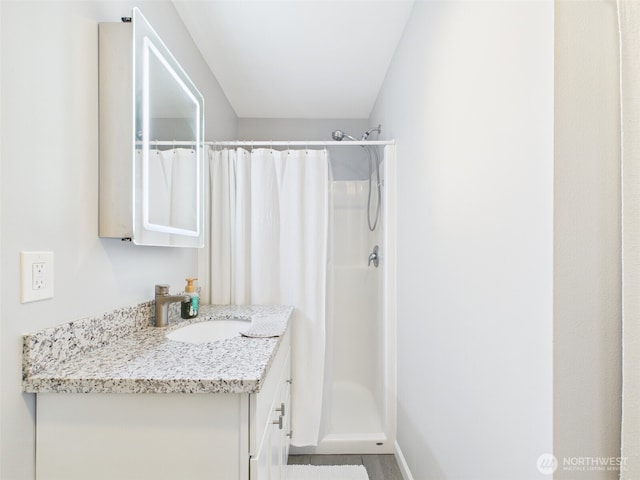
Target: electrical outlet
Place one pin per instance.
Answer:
(37, 276)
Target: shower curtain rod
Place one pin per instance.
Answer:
(275, 143)
(299, 143)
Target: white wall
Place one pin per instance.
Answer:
(469, 99)
(49, 197)
(297, 129)
(587, 277)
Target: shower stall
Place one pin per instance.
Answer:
(279, 208)
(358, 413)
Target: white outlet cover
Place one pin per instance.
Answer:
(27, 292)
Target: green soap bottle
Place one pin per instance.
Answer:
(189, 308)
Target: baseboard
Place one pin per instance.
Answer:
(402, 463)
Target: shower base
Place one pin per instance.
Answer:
(356, 424)
(354, 410)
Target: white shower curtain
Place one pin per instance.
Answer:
(229, 241)
(629, 23)
(268, 245)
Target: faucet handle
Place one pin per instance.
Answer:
(374, 257)
(162, 289)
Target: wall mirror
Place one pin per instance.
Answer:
(151, 140)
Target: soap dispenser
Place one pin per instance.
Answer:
(189, 308)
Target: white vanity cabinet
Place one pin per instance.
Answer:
(156, 436)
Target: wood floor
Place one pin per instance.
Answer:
(379, 467)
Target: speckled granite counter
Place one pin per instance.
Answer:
(121, 352)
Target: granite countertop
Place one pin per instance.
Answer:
(121, 352)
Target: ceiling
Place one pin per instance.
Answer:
(313, 59)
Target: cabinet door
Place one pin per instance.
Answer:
(273, 452)
(151, 140)
(269, 424)
(267, 465)
(285, 433)
(163, 436)
(275, 449)
(281, 436)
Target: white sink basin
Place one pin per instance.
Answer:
(209, 331)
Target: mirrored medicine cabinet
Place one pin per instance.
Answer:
(151, 140)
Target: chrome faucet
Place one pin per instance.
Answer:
(163, 299)
(374, 257)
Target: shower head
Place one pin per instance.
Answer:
(339, 135)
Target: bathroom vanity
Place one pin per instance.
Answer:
(117, 399)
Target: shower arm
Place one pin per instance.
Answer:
(378, 130)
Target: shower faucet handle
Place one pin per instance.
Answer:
(374, 257)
